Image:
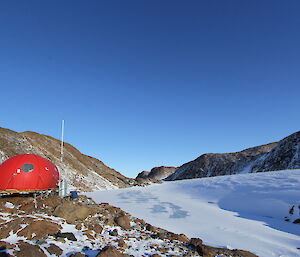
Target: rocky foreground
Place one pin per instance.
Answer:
(51, 226)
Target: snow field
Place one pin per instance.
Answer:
(245, 211)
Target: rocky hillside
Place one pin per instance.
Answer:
(286, 155)
(281, 155)
(51, 226)
(143, 174)
(158, 173)
(82, 171)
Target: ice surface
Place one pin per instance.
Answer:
(243, 211)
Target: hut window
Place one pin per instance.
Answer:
(27, 167)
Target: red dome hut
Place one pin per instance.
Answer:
(27, 173)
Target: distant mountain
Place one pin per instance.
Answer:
(143, 174)
(82, 171)
(158, 173)
(284, 154)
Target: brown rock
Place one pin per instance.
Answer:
(28, 206)
(13, 226)
(183, 238)
(51, 201)
(89, 235)
(95, 227)
(79, 226)
(165, 235)
(109, 222)
(5, 245)
(196, 242)
(213, 251)
(111, 251)
(149, 227)
(141, 221)
(29, 250)
(71, 212)
(54, 250)
(155, 255)
(162, 250)
(154, 246)
(122, 243)
(39, 229)
(123, 222)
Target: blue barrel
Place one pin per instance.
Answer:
(74, 194)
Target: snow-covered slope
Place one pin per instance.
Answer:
(239, 211)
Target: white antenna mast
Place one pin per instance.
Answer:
(62, 140)
(63, 184)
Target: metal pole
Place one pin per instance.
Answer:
(62, 140)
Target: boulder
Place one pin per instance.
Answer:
(123, 222)
(54, 250)
(29, 250)
(71, 212)
(89, 234)
(151, 228)
(68, 235)
(39, 229)
(95, 227)
(183, 238)
(197, 244)
(111, 251)
(51, 201)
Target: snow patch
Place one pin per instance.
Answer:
(9, 205)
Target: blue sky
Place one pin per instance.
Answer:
(148, 83)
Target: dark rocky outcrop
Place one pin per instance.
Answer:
(286, 155)
(157, 173)
(143, 174)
